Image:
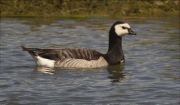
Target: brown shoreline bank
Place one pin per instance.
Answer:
(89, 8)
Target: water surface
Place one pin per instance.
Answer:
(149, 76)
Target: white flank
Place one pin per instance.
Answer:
(120, 31)
(82, 63)
(44, 62)
(70, 63)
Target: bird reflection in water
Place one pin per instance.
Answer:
(116, 73)
(45, 70)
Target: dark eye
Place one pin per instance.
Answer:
(124, 27)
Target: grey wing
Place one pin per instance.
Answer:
(76, 53)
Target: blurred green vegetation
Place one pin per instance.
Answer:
(90, 8)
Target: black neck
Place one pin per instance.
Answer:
(115, 52)
(114, 43)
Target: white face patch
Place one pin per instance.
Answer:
(120, 31)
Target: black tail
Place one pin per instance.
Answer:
(32, 51)
(28, 49)
(24, 48)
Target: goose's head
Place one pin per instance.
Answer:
(122, 28)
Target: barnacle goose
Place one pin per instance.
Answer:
(83, 57)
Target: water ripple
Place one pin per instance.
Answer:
(149, 76)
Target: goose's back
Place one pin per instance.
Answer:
(73, 58)
(75, 53)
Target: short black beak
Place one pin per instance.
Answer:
(131, 32)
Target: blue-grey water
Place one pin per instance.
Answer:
(150, 75)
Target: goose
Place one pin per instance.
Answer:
(84, 57)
